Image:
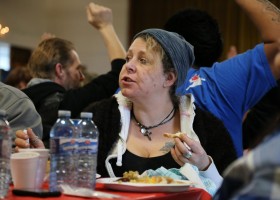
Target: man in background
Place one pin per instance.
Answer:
(56, 70)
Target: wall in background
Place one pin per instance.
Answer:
(235, 26)
(29, 19)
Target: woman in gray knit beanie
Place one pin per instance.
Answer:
(136, 118)
(157, 62)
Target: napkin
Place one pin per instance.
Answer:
(85, 192)
(187, 172)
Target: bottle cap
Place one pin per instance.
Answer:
(64, 113)
(86, 115)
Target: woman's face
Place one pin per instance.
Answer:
(142, 74)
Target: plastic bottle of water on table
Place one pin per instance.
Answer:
(63, 152)
(88, 146)
(5, 154)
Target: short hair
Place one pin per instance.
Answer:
(202, 31)
(48, 53)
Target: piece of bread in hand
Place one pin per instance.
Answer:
(173, 135)
(176, 135)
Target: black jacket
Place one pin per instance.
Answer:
(212, 134)
(261, 117)
(49, 97)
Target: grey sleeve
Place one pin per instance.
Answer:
(22, 114)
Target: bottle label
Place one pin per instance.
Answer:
(63, 145)
(88, 146)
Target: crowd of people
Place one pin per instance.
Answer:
(57, 76)
(168, 82)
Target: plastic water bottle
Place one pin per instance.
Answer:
(63, 152)
(5, 154)
(88, 146)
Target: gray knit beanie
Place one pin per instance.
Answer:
(179, 51)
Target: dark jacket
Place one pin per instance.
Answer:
(49, 97)
(211, 132)
(260, 117)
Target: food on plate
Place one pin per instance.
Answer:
(173, 135)
(134, 177)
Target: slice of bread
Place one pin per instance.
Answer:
(173, 135)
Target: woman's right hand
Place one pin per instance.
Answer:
(23, 137)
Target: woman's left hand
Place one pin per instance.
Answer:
(190, 151)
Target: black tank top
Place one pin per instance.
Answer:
(132, 162)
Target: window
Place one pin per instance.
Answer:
(4, 56)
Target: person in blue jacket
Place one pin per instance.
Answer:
(230, 88)
(259, 167)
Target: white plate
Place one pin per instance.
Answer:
(111, 183)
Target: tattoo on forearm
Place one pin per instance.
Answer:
(167, 146)
(272, 9)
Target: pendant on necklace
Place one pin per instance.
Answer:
(146, 132)
(143, 130)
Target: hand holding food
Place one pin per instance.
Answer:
(27, 139)
(187, 150)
